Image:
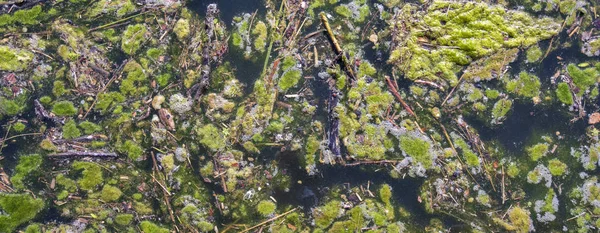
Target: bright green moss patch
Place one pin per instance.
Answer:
(418, 149)
(18, 127)
(132, 149)
(289, 79)
(385, 193)
(513, 170)
(501, 108)
(583, 78)
(108, 100)
(260, 33)
(89, 127)
(537, 151)
(123, 219)
(17, 209)
(14, 59)
(64, 108)
(211, 137)
(556, 167)
(265, 208)
(133, 37)
(526, 85)
(58, 89)
(10, 107)
(70, 130)
(110, 193)
(28, 165)
(462, 32)
(182, 29)
(26, 17)
(91, 175)
(325, 215)
(534, 53)
(563, 92)
(150, 227)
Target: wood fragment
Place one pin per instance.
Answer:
(83, 154)
(394, 91)
(269, 220)
(337, 48)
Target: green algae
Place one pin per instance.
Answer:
(110, 193)
(460, 33)
(526, 85)
(211, 137)
(133, 37)
(260, 36)
(418, 149)
(265, 208)
(501, 108)
(28, 167)
(289, 79)
(70, 130)
(563, 93)
(124, 219)
(91, 175)
(17, 209)
(133, 150)
(583, 79)
(19, 127)
(556, 167)
(14, 59)
(182, 29)
(64, 108)
(534, 53)
(538, 151)
(150, 227)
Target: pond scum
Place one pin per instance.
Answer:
(299, 116)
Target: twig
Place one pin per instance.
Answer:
(337, 48)
(116, 22)
(372, 162)
(83, 154)
(114, 76)
(454, 88)
(270, 220)
(398, 97)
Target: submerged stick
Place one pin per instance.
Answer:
(269, 220)
(84, 154)
(398, 97)
(337, 48)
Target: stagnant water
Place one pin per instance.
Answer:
(127, 138)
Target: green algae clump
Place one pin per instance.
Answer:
(28, 165)
(501, 108)
(132, 149)
(124, 219)
(563, 92)
(260, 31)
(418, 149)
(133, 37)
(556, 167)
(110, 193)
(14, 59)
(17, 209)
(520, 220)
(583, 78)
(265, 208)
(289, 79)
(70, 130)
(526, 85)
(211, 137)
(534, 54)
(462, 32)
(64, 108)
(537, 151)
(92, 175)
(182, 29)
(150, 227)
